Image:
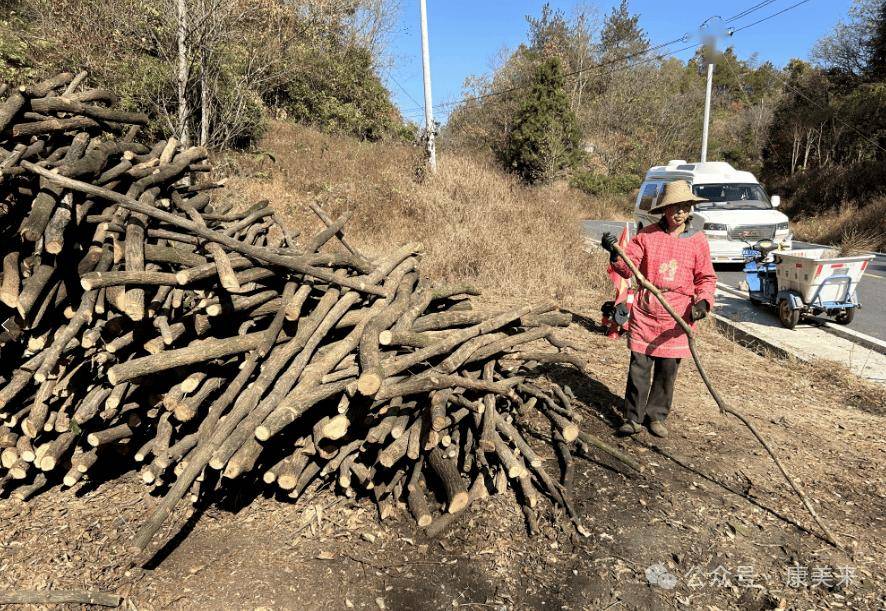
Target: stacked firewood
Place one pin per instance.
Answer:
(146, 324)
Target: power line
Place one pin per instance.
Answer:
(630, 56)
(768, 17)
(403, 89)
(750, 10)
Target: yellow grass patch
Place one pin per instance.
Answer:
(477, 223)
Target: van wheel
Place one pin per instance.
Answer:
(788, 316)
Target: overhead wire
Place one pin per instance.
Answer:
(768, 17)
(616, 60)
(749, 10)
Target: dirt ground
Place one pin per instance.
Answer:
(709, 524)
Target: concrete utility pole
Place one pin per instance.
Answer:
(429, 110)
(707, 111)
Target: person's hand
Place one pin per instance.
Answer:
(608, 242)
(700, 310)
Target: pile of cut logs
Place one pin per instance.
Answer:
(144, 323)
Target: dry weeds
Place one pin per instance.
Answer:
(854, 228)
(854, 391)
(477, 224)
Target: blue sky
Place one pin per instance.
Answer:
(466, 36)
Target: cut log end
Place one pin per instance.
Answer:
(459, 501)
(424, 520)
(570, 432)
(368, 384)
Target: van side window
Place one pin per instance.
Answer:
(650, 192)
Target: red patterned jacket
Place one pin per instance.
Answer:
(680, 266)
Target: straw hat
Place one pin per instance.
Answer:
(676, 192)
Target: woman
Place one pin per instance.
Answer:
(676, 258)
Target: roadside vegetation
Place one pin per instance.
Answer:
(215, 71)
(814, 131)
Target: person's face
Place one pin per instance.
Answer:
(677, 214)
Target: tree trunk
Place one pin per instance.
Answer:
(183, 74)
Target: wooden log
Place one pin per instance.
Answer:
(513, 465)
(187, 409)
(46, 86)
(208, 440)
(546, 405)
(24, 448)
(67, 105)
(33, 424)
(81, 317)
(97, 280)
(327, 220)
(199, 351)
(10, 286)
(372, 375)
(293, 263)
(23, 493)
(487, 440)
(53, 235)
(8, 457)
(595, 442)
(55, 449)
(457, 497)
(432, 381)
(10, 108)
(52, 126)
(455, 338)
(58, 597)
(110, 435)
(508, 430)
(34, 288)
(549, 357)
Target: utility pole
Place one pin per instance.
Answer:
(429, 110)
(707, 111)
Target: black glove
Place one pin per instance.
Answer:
(700, 309)
(608, 242)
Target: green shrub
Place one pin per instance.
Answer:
(597, 184)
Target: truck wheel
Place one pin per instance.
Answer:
(844, 317)
(788, 316)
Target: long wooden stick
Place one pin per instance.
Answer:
(58, 597)
(641, 279)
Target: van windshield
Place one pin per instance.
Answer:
(732, 196)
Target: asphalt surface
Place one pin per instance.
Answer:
(870, 319)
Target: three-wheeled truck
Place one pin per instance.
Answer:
(810, 281)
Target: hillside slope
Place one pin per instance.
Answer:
(477, 223)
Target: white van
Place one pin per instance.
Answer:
(739, 212)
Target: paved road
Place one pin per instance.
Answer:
(871, 319)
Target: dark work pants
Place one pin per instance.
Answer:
(650, 387)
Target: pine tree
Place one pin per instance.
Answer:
(544, 138)
(622, 34)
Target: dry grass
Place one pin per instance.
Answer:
(477, 224)
(853, 390)
(854, 228)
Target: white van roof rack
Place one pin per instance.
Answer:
(700, 172)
